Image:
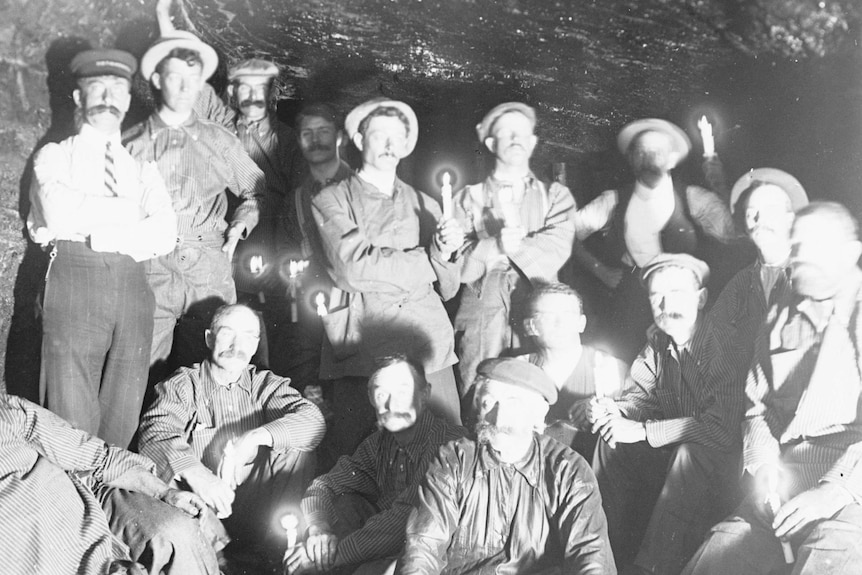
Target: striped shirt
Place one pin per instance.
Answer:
(688, 394)
(193, 417)
(547, 215)
(52, 523)
(199, 160)
(805, 391)
(387, 475)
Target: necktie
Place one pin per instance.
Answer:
(110, 178)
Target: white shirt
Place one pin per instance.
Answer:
(70, 201)
(648, 212)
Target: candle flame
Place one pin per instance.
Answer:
(255, 264)
(289, 521)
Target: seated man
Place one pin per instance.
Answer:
(511, 500)
(803, 428)
(670, 444)
(52, 521)
(555, 321)
(357, 512)
(241, 439)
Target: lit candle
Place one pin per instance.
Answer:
(290, 524)
(446, 191)
(606, 376)
(773, 500)
(706, 135)
(320, 303)
(255, 265)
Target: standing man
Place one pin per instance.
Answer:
(655, 214)
(199, 160)
(668, 456)
(803, 427)
(518, 231)
(768, 198)
(240, 439)
(387, 248)
(357, 512)
(511, 500)
(101, 214)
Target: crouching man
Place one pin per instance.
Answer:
(510, 500)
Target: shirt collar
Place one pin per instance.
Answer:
(416, 448)
(93, 136)
(244, 382)
(191, 125)
(530, 467)
(529, 181)
(665, 186)
(262, 126)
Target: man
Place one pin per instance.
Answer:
(199, 160)
(518, 231)
(653, 215)
(386, 247)
(803, 426)
(320, 136)
(101, 214)
(240, 439)
(511, 500)
(669, 452)
(52, 479)
(357, 512)
(555, 322)
(767, 197)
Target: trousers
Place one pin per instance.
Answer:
(97, 331)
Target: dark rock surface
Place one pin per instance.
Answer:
(780, 80)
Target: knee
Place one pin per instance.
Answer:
(176, 528)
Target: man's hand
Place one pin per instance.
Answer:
(214, 492)
(598, 407)
(511, 238)
(816, 504)
(240, 452)
(186, 501)
(617, 429)
(579, 414)
(321, 546)
(232, 237)
(449, 236)
(296, 562)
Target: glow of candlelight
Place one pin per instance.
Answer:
(296, 267)
(606, 376)
(255, 265)
(773, 500)
(320, 304)
(290, 524)
(706, 135)
(446, 192)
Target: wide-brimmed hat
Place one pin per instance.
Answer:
(360, 112)
(665, 260)
(774, 176)
(483, 128)
(103, 62)
(679, 140)
(253, 67)
(520, 373)
(178, 39)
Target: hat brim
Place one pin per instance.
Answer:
(679, 140)
(163, 47)
(360, 112)
(774, 176)
(483, 128)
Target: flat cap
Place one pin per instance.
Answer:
(520, 373)
(483, 128)
(360, 112)
(774, 176)
(103, 62)
(665, 260)
(178, 39)
(679, 140)
(254, 67)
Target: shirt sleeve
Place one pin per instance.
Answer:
(639, 402)
(595, 215)
(434, 518)
(544, 251)
(711, 213)
(293, 421)
(760, 446)
(247, 183)
(210, 106)
(155, 234)
(357, 263)
(163, 433)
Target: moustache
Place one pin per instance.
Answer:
(388, 416)
(485, 430)
(251, 102)
(234, 354)
(670, 315)
(102, 108)
(319, 148)
(388, 155)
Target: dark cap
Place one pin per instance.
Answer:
(661, 261)
(103, 62)
(521, 373)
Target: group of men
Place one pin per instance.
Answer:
(730, 444)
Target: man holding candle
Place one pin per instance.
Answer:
(388, 252)
(518, 231)
(657, 213)
(668, 456)
(803, 426)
